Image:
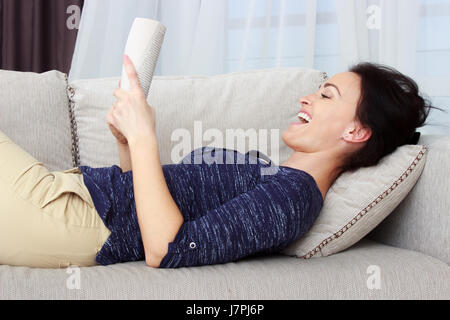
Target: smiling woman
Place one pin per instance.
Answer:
(353, 120)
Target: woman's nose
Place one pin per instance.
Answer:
(305, 101)
(309, 99)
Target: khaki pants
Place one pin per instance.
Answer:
(47, 219)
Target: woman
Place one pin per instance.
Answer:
(191, 214)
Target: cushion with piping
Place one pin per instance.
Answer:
(358, 201)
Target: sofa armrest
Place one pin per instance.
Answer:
(421, 222)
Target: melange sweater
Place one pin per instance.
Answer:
(234, 205)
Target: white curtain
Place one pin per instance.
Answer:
(194, 41)
(210, 37)
(392, 43)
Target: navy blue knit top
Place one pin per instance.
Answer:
(234, 205)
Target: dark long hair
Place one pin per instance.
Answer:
(391, 106)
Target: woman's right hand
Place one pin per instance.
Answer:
(116, 133)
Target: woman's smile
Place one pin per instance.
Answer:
(300, 123)
(304, 117)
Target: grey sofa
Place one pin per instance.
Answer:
(410, 248)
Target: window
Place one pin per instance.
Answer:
(433, 61)
(256, 41)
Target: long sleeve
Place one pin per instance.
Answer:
(265, 219)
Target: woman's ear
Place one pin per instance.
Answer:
(362, 134)
(357, 134)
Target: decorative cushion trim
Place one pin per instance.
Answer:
(363, 212)
(73, 125)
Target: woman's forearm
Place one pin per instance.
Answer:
(158, 215)
(124, 156)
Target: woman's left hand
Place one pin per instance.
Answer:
(131, 114)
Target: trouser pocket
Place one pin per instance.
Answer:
(66, 182)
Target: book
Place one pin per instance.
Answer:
(143, 47)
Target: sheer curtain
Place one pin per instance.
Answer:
(194, 41)
(221, 36)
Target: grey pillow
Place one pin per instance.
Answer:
(34, 113)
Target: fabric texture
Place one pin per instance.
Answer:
(233, 206)
(221, 102)
(422, 221)
(359, 200)
(34, 114)
(404, 274)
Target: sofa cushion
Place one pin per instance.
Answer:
(403, 274)
(359, 200)
(34, 113)
(193, 110)
(422, 221)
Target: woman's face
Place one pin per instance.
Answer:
(332, 113)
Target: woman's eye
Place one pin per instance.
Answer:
(325, 97)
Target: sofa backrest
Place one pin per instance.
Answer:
(195, 111)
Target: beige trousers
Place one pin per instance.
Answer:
(47, 219)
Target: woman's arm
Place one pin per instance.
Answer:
(124, 156)
(159, 217)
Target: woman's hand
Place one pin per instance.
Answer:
(131, 117)
(116, 133)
